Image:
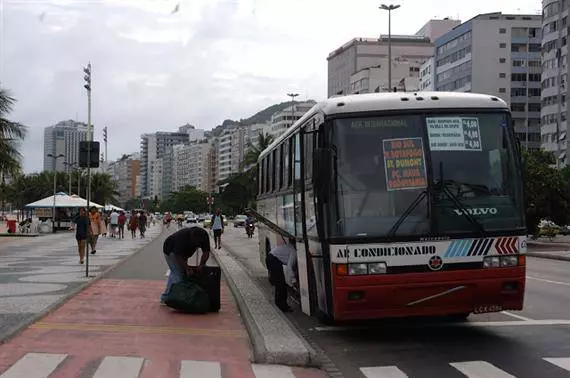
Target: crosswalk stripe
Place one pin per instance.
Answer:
(563, 363)
(200, 369)
(124, 367)
(272, 371)
(34, 365)
(383, 372)
(480, 369)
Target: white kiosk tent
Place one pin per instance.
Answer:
(62, 200)
(64, 204)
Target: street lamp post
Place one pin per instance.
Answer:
(69, 173)
(389, 8)
(292, 95)
(54, 157)
(87, 86)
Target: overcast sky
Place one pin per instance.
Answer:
(155, 68)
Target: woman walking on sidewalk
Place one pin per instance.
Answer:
(217, 225)
(95, 224)
(82, 232)
(133, 224)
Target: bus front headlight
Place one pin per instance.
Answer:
(357, 269)
(377, 268)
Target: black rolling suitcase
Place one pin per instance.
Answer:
(209, 280)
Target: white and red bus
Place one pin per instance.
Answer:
(402, 204)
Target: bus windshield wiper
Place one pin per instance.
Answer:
(444, 189)
(406, 213)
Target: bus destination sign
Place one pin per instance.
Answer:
(404, 163)
(454, 133)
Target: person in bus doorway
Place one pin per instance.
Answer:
(178, 248)
(217, 225)
(276, 259)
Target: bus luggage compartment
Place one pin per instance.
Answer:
(428, 294)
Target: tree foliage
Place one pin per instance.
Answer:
(546, 190)
(186, 199)
(24, 189)
(11, 135)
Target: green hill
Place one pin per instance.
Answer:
(259, 117)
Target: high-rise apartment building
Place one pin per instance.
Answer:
(554, 110)
(225, 154)
(125, 172)
(496, 54)
(362, 53)
(153, 147)
(63, 138)
(282, 120)
(191, 165)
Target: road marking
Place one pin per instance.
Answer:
(272, 371)
(480, 369)
(563, 363)
(35, 365)
(124, 367)
(200, 369)
(508, 313)
(138, 329)
(507, 323)
(383, 372)
(548, 281)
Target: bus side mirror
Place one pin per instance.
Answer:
(322, 170)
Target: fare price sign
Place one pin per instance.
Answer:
(454, 133)
(404, 163)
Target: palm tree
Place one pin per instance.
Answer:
(263, 141)
(103, 189)
(11, 134)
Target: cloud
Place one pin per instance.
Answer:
(154, 70)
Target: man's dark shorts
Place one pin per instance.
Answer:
(217, 233)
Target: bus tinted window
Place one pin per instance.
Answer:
(384, 164)
(371, 197)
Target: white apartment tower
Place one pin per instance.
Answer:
(554, 80)
(499, 55)
(63, 138)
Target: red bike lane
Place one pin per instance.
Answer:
(117, 329)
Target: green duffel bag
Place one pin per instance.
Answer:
(188, 297)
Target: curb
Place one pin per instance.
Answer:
(268, 347)
(548, 256)
(16, 330)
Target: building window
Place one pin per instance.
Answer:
(502, 75)
(502, 31)
(502, 60)
(502, 90)
(502, 45)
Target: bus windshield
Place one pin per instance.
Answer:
(425, 174)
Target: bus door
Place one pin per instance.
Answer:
(302, 266)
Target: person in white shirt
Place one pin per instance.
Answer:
(279, 256)
(114, 222)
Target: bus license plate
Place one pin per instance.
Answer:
(487, 308)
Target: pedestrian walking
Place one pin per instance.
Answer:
(217, 225)
(114, 222)
(276, 258)
(82, 231)
(178, 248)
(142, 223)
(133, 224)
(122, 222)
(95, 224)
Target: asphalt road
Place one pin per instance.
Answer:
(503, 345)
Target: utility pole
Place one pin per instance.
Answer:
(87, 86)
(292, 95)
(389, 8)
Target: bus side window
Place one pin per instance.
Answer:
(266, 181)
(308, 161)
(260, 178)
(297, 185)
(273, 171)
(286, 165)
(290, 164)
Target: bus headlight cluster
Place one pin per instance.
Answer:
(362, 269)
(500, 261)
